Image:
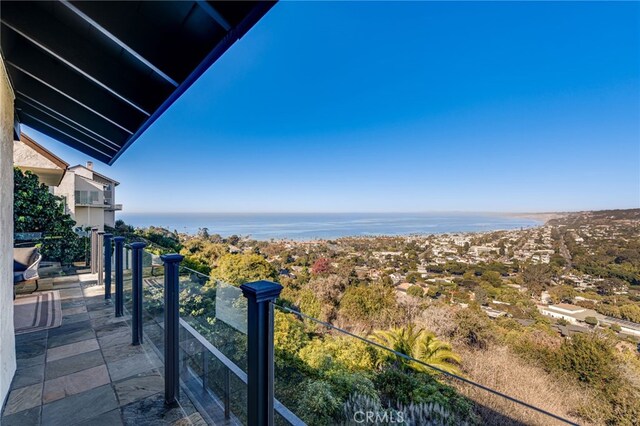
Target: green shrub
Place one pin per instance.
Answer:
(590, 359)
(35, 209)
(319, 404)
(593, 321)
(415, 291)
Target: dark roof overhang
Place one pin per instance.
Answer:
(96, 74)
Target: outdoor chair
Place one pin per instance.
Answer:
(25, 265)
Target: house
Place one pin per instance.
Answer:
(404, 287)
(28, 155)
(626, 327)
(396, 277)
(577, 314)
(493, 313)
(571, 313)
(89, 197)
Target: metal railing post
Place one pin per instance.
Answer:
(119, 243)
(107, 265)
(260, 295)
(205, 367)
(136, 291)
(171, 323)
(227, 393)
(100, 258)
(94, 255)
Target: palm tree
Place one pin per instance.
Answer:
(419, 344)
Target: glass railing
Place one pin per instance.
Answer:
(327, 375)
(126, 280)
(153, 301)
(213, 346)
(212, 338)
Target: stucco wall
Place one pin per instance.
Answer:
(66, 189)
(90, 216)
(7, 338)
(24, 155)
(83, 184)
(110, 218)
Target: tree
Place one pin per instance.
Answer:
(630, 312)
(289, 333)
(562, 294)
(366, 305)
(481, 296)
(203, 233)
(35, 209)
(536, 277)
(610, 286)
(492, 277)
(419, 344)
(338, 353)
(414, 277)
(321, 266)
(205, 252)
(328, 289)
(238, 269)
(473, 328)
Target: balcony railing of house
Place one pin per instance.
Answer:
(216, 341)
(114, 207)
(87, 204)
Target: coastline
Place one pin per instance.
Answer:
(541, 217)
(322, 226)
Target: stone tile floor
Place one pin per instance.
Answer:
(86, 372)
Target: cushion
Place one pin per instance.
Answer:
(23, 257)
(18, 277)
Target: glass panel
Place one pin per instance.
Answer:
(153, 301)
(126, 281)
(213, 345)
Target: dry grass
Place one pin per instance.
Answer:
(500, 369)
(438, 318)
(504, 371)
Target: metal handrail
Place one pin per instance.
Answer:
(194, 272)
(408, 358)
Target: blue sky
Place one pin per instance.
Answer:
(407, 106)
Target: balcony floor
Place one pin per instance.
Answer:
(87, 371)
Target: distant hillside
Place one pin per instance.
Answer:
(599, 217)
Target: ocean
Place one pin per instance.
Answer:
(310, 226)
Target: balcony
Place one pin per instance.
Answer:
(113, 207)
(88, 203)
(104, 205)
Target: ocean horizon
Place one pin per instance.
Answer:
(313, 226)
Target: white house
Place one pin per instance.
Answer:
(89, 197)
(571, 313)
